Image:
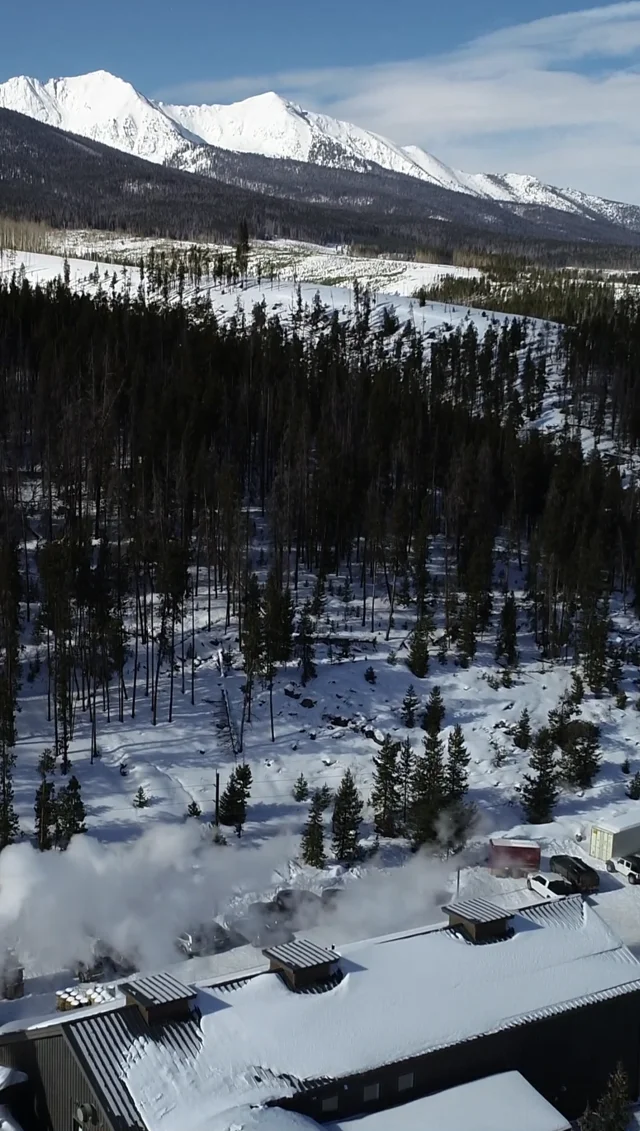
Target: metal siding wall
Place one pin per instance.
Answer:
(57, 1081)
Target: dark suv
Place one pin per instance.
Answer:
(573, 869)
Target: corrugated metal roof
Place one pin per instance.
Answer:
(104, 1044)
(101, 1044)
(159, 989)
(569, 911)
(301, 954)
(477, 911)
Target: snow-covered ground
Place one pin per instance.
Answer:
(142, 875)
(286, 260)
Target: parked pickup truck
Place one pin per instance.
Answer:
(576, 872)
(628, 866)
(549, 885)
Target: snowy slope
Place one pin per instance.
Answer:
(99, 106)
(171, 873)
(112, 111)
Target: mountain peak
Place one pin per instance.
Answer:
(109, 109)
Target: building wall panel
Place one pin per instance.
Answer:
(57, 1083)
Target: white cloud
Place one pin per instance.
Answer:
(556, 97)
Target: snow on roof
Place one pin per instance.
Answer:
(260, 1041)
(11, 1076)
(477, 911)
(506, 1102)
(511, 842)
(262, 1119)
(619, 822)
(301, 954)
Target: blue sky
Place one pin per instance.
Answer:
(162, 44)
(549, 87)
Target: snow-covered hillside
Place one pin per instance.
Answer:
(174, 876)
(108, 109)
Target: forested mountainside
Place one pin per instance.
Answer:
(109, 109)
(67, 181)
(156, 434)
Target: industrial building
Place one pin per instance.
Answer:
(548, 992)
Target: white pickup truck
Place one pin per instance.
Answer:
(550, 885)
(628, 866)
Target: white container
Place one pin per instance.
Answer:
(618, 836)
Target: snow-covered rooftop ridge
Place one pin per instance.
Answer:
(490, 1104)
(433, 989)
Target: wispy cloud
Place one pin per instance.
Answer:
(557, 97)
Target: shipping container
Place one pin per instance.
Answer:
(514, 857)
(618, 836)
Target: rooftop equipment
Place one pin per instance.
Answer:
(160, 997)
(478, 920)
(302, 963)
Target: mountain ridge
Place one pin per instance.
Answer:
(112, 111)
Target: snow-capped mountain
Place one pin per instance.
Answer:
(108, 109)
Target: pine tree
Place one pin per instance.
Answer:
(324, 796)
(385, 795)
(245, 779)
(301, 789)
(70, 812)
(405, 773)
(233, 805)
(312, 848)
(428, 792)
(614, 674)
(140, 800)
(410, 705)
(507, 642)
(577, 689)
(433, 717)
(46, 815)
(193, 809)
(456, 772)
(305, 647)
(45, 807)
(9, 680)
(581, 757)
(634, 787)
(540, 789)
(468, 627)
(318, 600)
(253, 642)
(613, 1111)
(347, 818)
(418, 658)
(522, 733)
(594, 645)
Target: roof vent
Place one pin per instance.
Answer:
(302, 963)
(11, 977)
(479, 921)
(160, 998)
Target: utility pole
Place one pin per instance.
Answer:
(217, 817)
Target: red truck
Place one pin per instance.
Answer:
(513, 857)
